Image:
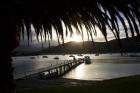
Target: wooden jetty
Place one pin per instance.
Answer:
(51, 71)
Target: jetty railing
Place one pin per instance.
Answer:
(52, 71)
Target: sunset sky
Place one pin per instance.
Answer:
(68, 38)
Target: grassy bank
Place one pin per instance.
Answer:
(121, 85)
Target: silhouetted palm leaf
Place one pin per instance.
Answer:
(45, 14)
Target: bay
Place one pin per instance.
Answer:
(104, 66)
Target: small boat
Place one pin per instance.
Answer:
(79, 55)
(32, 57)
(71, 56)
(97, 54)
(56, 57)
(87, 60)
(44, 56)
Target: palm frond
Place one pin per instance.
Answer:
(104, 14)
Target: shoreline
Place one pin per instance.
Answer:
(26, 84)
(38, 83)
(130, 84)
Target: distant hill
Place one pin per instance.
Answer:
(128, 45)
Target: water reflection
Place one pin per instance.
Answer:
(79, 72)
(104, 70)
(104, 66)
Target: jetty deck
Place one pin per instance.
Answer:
(51, 71)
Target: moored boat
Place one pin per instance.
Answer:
(32, 57)
(79, 55)
(71, 56)
(44, 56)
(56, 57)
(87, 60)
(97, 54)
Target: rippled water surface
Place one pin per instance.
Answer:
(105, 66)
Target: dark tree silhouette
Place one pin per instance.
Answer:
(18, 16)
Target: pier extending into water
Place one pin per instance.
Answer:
(60, 69)
(51, 71)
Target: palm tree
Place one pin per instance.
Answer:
(19, 15)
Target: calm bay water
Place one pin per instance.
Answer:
(105, 66)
